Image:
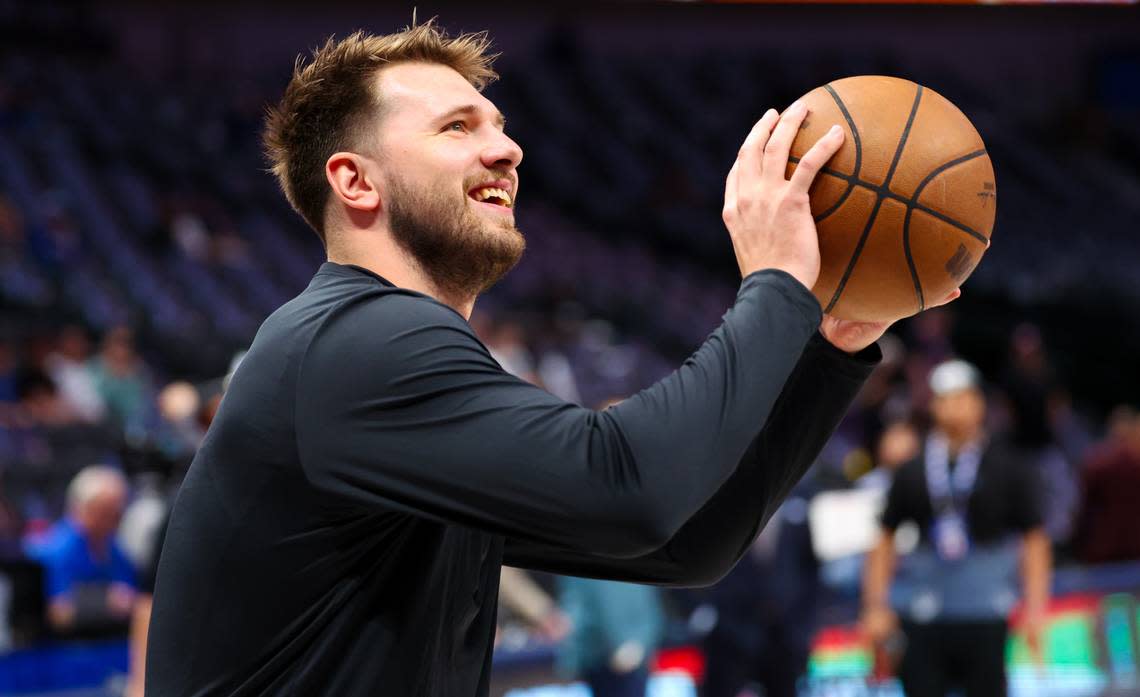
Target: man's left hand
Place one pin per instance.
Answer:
(852, 337)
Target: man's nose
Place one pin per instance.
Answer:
(502, 152)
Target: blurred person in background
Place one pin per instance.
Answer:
(1108, 527)
(763, 613)
(615, 631)
(90, 581)
(973, 498)
(1029, 386)
(69, 367)
(122, 379)
(140, 613)
(899, 443)
(49, 443)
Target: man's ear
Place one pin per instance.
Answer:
(352, 182)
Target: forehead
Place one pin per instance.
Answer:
(416, 92)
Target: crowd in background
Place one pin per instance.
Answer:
(141, 244)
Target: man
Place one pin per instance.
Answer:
(341, 529)
(973, 499)
(90, 582)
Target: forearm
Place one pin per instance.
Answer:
(1036, 570)
(523, 596)
(140, 625)
(814, 400)
(693, 429)
(878, 571)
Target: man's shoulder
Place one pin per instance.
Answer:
(381, 315)
(381, 327)
(337, 292)
(341, 306)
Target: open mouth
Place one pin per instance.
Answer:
(492, 195)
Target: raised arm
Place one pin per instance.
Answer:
(811, 405)
(402, 409)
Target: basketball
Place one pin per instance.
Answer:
(905, 209)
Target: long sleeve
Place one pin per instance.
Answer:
(401, 409)
(813, 402)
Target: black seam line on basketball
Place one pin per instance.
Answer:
(910, 260)
(878, 200)
(911, 208)
(906, 220)
(929, 211)
(855, 255)
(903, 137)
(912, 201)
(858, 153)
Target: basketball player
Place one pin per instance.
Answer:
(371, 467)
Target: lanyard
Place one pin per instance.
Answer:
(947, 489)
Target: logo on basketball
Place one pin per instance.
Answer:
(987, 194)
(961, 264)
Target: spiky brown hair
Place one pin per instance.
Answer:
(332, 98)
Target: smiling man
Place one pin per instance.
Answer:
(341, 530)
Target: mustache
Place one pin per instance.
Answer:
(491, 175)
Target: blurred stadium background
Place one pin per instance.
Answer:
(142, 243)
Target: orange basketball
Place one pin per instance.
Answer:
(905, 209)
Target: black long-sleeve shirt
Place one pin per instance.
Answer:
(341, 530)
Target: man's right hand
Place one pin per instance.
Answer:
(768, 216)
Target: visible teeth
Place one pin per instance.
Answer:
(492, 192)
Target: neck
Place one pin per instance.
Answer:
(379, 253)
(958, 440)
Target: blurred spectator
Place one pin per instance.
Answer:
(763, 613)
(140, 614)
(615, 630)
(1029, 381)
(1108, 528)
(972, 498)
(1029, 385)
(90, 582)
(41, 401)
(47, 444)
(68, 367)
(180, 430)
(506, 341)
(121, 378)
(899, 444)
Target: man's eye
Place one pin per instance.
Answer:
(457, 126)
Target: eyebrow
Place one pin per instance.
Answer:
(471, 110)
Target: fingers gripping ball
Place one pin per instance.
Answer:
(905, 209)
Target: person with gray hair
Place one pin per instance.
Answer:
(90, 582)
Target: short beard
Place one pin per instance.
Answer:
(462, 254)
